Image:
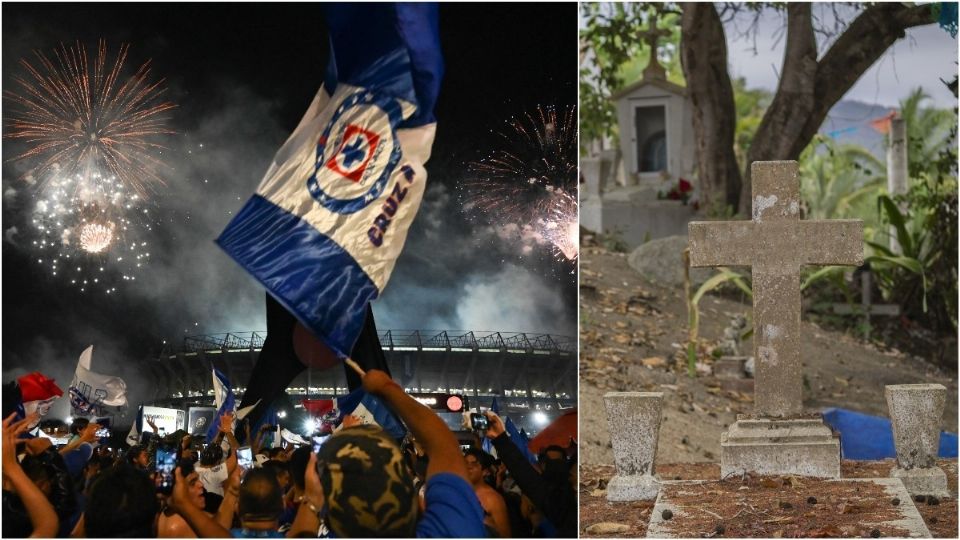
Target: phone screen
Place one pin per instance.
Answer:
(318, 442)
(104, 431)
(245, 457)
(166, 461)
(479, 422)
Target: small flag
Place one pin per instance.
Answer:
(882, 125)
(136, 429)
(90, 392)
(518, 439)
(328, 221)
(364, 406)
(38, 393)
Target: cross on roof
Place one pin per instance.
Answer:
(651, 36)
(776, 243)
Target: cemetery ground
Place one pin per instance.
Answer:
(633, 334)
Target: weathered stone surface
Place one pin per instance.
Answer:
(802, 446)
(661, 261)
(633, 419)
(927, 481)
(915, 412)
(776, 244)
(905, 516)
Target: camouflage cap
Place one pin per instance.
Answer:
(369, 489)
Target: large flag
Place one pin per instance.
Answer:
(90, 392)
(331, 215)
(364, 406)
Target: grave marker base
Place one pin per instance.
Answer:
(801, 446)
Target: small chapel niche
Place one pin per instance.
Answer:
(650, 124)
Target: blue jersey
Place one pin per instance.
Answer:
(453, 509)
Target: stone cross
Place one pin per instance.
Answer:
(867, 307)
(776, 243)
(652, 36)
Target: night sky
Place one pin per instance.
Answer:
(242, 76)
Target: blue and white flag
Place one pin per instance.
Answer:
(329, 219)
(91, 392)
(225, 402)
(133, 437)
(223, 399)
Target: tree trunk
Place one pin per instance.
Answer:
(703, 54)
(808, 89)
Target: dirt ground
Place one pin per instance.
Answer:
(832, 513)
(631, 336)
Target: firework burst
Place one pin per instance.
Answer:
(526, 187)
(88, 229)
(77, 117)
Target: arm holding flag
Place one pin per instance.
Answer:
(431, 432)
(517, 464)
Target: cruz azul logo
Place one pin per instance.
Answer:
(356, 153)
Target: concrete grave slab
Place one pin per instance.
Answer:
(853, 508)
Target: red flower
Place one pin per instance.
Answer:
(685, 187)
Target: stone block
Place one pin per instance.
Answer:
(633, 420)
(915, 412)
(927, 481)
(801, 447)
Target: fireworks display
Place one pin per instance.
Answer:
(526, 187)
(76, 116)
(89, 141)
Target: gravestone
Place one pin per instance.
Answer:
(633, 419)
(915, 413)
(867, 307)
(778, 438)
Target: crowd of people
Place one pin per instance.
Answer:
(360, 482)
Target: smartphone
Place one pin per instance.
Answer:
(479, 422)
(166, 462)
(245, 457)
(104, 431)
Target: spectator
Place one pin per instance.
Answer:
(172, 524)
(139, 457)
(122, 504)
(213, 468)
(42, 516)
(362, 468)
(494, 509)
(552, 492)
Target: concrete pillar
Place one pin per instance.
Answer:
(633, 419)
(915, 412)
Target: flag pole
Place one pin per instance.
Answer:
(355, 366)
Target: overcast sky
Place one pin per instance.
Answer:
(925, 56)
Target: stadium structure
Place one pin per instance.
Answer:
(532, 376)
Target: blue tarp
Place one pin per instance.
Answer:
(871, 437)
